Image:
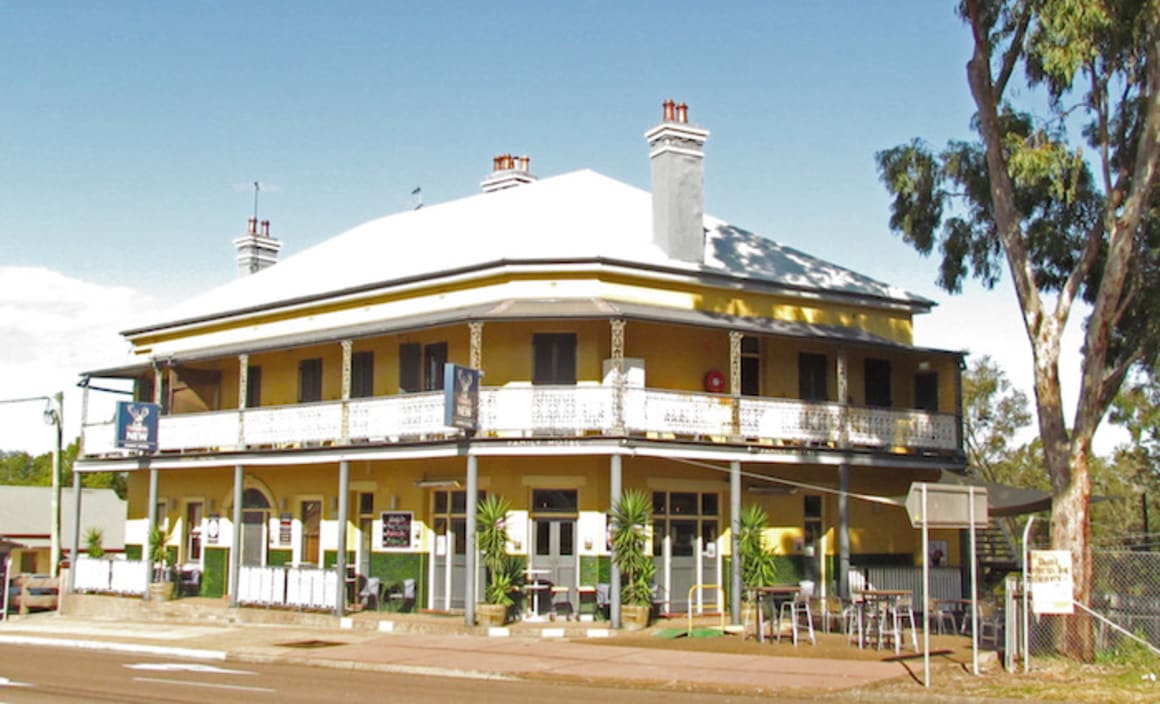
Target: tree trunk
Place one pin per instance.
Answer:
(1071, 531)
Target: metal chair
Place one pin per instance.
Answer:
(795, 610)
(402, 596)
(940, 614)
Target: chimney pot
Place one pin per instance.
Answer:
(524, 163)
(265, 228)
(668, 106)
(253, 223)
(683, 113)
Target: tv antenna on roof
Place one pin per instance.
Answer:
(256, 189)
(418, 192)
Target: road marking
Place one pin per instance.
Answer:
(5, 682)
(212, 685)
(186, 667)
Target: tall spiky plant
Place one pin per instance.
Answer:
(491, 537)
(758, 568)
(630, 520)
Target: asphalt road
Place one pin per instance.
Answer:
(43, 674)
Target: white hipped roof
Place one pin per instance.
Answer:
(580, 215)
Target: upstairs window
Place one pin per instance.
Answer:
(362, 375)
(750, 366)
(812, 377)
(554, 358)
(926, 391)
(253, 386)
(878, 383)
(310, 380)
(421, 366)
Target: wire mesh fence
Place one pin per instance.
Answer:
(1124, 611)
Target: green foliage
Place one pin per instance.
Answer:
(1129, 653)
(491, 537)
(631, 516)
(94, 539)
(159, 554)
(758, 566)
(22, 469)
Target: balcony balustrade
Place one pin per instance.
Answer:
(552, 411)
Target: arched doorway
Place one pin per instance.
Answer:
(255, 519)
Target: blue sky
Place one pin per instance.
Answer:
(131, 133)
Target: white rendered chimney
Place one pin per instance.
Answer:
(257, 250)
(507, 171)
(678, 184)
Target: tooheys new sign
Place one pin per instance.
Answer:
(137, 426)
(461, 397)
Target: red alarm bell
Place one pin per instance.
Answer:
(714, 381)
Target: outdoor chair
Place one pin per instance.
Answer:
(371, 594)
(402, 596)
(797, 612)
(940, 614)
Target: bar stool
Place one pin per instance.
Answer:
(891, 624)
(793, 609)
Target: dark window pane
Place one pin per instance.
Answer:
(459, 525)
(708, 532)
(362, 375)
(252, 498)
(567, 538)
(409, 369)
(554, 358)
(684, 536)
(366, 503)
(750, 376)
(441, 502)
(878, 383)
(434, 357)
(659, 505)
(708, 504)
(543, 537)
(253, 387)
(750, 345)
(926, 391)
(812, 377)
(658, 538)
(682, 502)
(459, 502)
(554, 500)
(310, 380)
(813, 506)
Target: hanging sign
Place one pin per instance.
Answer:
(1052, 586)
(137, 426)
(461, 397)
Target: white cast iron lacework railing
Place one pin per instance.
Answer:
(298, 587)
(551, 411)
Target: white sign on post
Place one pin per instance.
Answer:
(1051, 582)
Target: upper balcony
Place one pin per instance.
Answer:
(572, 411)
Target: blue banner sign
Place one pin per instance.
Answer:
(137, 425)
(461, 397)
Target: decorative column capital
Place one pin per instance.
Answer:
(475, 328)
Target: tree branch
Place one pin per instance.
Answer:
(1014, 50)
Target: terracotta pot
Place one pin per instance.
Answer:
(160, 591)
(634, 618)
(491, 614)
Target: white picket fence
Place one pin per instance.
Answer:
(110, 576)
(295, 587)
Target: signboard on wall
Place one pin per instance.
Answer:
(396, 530)
(137, 426)
(285, 529)
(1051, 582)
(213, 528)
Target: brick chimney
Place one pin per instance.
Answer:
(507, 171)
(257, 250)
(678, 184)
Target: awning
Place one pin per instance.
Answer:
(1003, 500)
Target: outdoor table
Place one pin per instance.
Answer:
(961, 607)
(777, 594)
(880, 601)
(534, 585)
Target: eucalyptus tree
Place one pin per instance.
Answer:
(1066, 201)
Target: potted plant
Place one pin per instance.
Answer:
(94, 543)
(491, 537)
(758, 568)
(630, 516)
(161, 587)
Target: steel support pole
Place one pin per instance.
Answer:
(614, 491)
(76, 536)
(343, 517)
(469, 596)
(843, 575)
(147, 556)
(735, 543)
(236, 537)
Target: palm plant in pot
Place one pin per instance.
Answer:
(491, 537)
(630, 516)
(758, 568)
(161, 588)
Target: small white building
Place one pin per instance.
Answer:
(26, 524)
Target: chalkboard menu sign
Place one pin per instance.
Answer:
(396, 529)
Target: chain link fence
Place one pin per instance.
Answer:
(1124, 610)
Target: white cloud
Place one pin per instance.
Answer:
(52, 327)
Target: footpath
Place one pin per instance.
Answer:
(437, 645)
